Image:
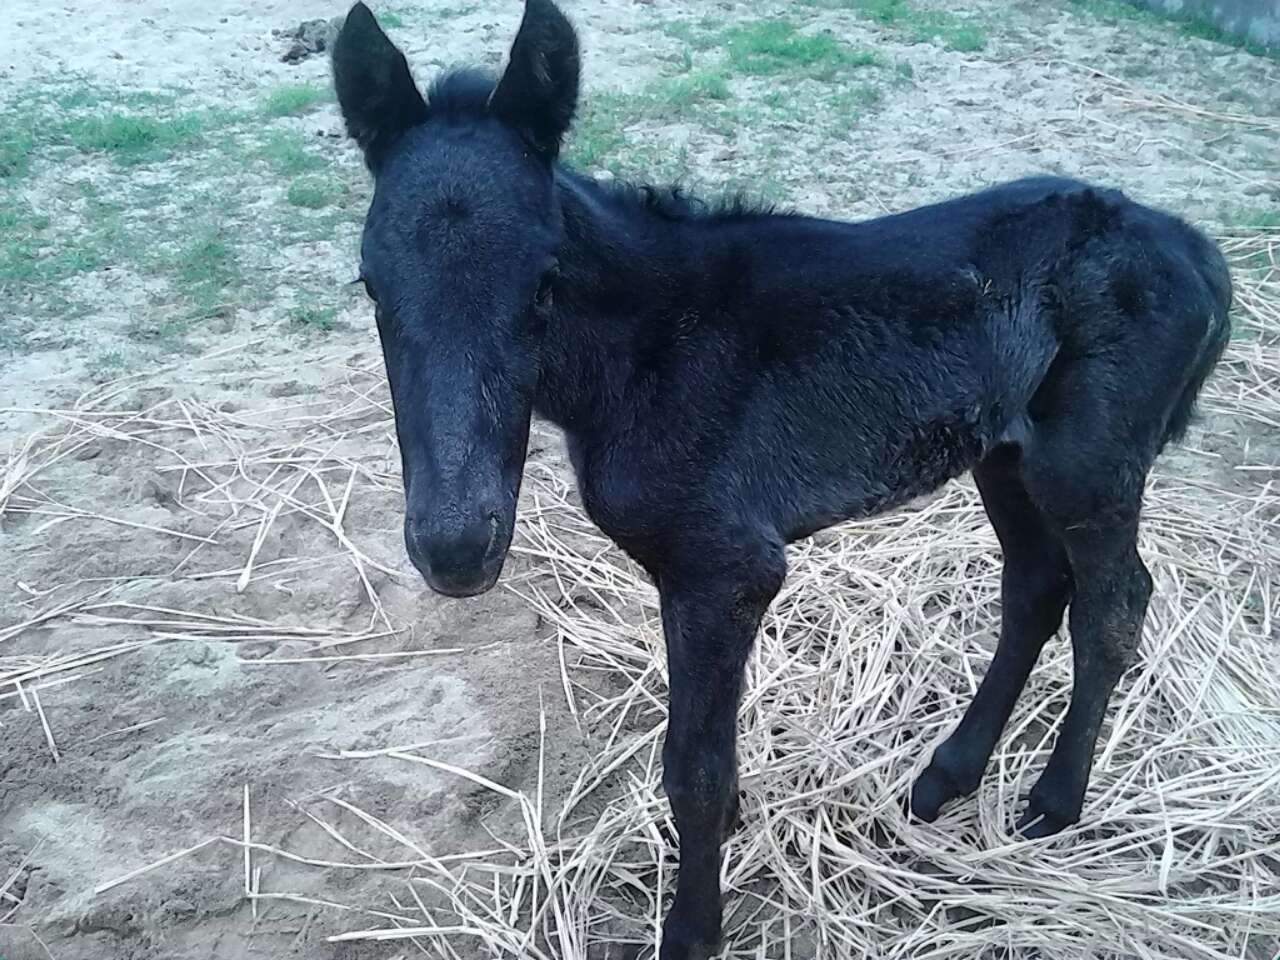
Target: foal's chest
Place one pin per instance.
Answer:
(623, 493)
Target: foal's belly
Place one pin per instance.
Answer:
(861, 483)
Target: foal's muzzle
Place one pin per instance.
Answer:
(461, 561)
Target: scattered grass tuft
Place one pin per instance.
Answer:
(17, 140)
(83, 95)
(921, 26)
(700, 34)
(287, 154)
(292, 99)
(206, 260)
(163, 329)
(851, 102)
(33, 252)
(598, 132)
(694, 87)
(776, 46)
(311, 194)
(107, 365)
(321, 319)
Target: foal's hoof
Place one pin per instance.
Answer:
(690, 938)
(688, 951)
(1038, 820)
(934, 788)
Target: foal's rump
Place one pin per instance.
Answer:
(1144, 297)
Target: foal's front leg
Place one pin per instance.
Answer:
(710, 622)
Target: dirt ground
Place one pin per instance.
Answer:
(211, 642)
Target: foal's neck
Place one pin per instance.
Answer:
(620, 266)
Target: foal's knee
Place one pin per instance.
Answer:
(1035, 590)
(700, 782)
(1107, 616)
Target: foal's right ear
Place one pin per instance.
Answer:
(377, 94)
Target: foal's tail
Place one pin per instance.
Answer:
(1215, 278)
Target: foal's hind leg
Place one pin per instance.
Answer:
(1093, 501)
(1035, 586)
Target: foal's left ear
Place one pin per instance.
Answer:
(539, 89)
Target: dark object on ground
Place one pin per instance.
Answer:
(1254, 24)
(308, 38)
(730, 380)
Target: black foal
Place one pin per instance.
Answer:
(730, 380)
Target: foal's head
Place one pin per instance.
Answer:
(458, 254)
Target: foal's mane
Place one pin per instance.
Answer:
(462, 95)
(673, 202)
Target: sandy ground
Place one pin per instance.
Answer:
(203, 582)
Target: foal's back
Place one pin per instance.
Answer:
(854, 366)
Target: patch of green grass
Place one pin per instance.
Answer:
(31, 252)
(855, 99)
(311, 194)
(204, 270)
(322, 319)
(700, 34)
(1114, 10)
(847, 105)
(107, 365)
(762, 190)
(1203, 30)
(17, 141)
(694, 87)
(205, 277)
(922, 26)
(163, 329)
(964, 37)
(135, 138)
(77, 96)
(293, 98)
(19, 260)
(10, 216)
(775, 46)
(597, 133)
(390, 19)
(205, 260)
(19, 244)
(133, 126)
(287, 154)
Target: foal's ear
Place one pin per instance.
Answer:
(377, 94)
(539, 89)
